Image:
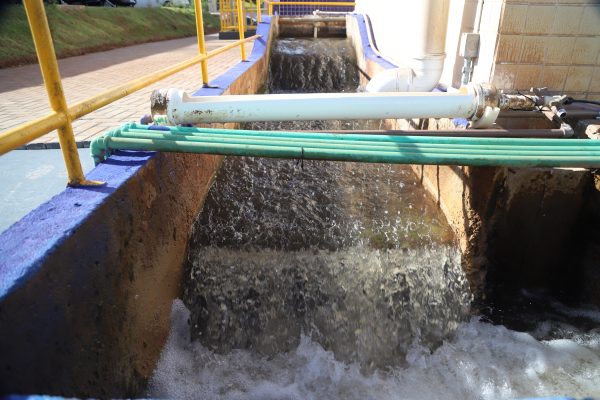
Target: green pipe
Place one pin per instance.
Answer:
(379, 146)
(475, 159)
(362, 137)
(582, 144)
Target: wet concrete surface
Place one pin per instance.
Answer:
(30, 178)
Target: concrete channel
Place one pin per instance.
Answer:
(89, 279)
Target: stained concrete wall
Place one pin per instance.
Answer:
(514, 225)
(93, 316)
(87, 279)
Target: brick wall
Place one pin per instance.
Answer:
(552, 43)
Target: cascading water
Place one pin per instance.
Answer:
(309, 65)
(333, 250)
(312, 279)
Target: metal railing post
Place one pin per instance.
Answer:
(44, 47)
(241, 24)
(270, 7)
(258, 11)
(201, 42)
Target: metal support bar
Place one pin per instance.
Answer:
(241, 24)
(258, 12)
(571, 113)
(491, 133)
(42, 40)
(201, 42)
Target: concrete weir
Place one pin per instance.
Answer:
(87, 280)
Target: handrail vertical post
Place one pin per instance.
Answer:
(240, 14)
(42, 40)
(270, 7)
(201, 42)
(258, 11)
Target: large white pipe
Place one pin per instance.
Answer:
(180, 108)
(424, 76)
(428, 22)
(413, 34)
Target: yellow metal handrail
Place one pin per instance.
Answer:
(38, 23)
(63, 115)
(271, 4)
(100, 100)
(241, 29)
(230, 16)
(200, 36)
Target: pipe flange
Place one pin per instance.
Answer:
(486, 99)
(486, 96)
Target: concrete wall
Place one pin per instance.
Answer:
(87, 280)
(90, 317)
(369, 61)
(550, 43)
(535, 43)
(514, 225)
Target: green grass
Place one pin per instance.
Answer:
(80, 30)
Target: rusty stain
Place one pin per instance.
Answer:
(518, 102)
(159, 102)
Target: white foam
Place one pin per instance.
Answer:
(482, 361)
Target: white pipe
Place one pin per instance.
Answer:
(429, 23)
(422, 36)
(181, 108)
(424, 76)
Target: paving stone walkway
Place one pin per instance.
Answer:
(23, 96)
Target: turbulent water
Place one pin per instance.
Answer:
(480, 361)
(353, 255)
(313, 279)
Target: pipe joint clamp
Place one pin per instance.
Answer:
(486, 99)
